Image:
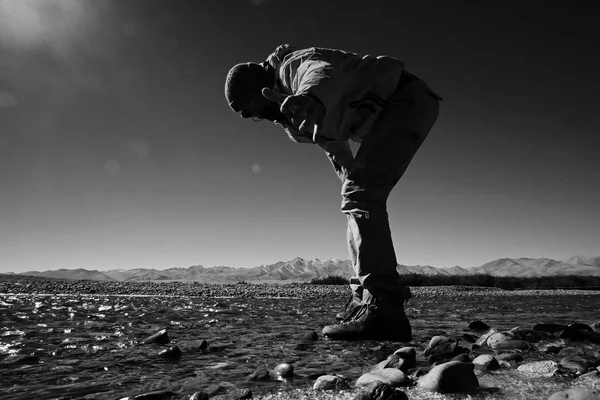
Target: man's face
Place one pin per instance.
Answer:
(260, 108)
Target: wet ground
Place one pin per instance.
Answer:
(89, 346)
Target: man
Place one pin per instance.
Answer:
(328, 97)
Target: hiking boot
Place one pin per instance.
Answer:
(352, 305)
(377, 318)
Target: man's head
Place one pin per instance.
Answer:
(243, 87)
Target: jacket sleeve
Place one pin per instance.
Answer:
(333, 75)
(323, 81)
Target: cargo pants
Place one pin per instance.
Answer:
(383, 157)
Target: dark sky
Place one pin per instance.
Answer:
(118, 149)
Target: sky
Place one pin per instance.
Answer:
(118, 149)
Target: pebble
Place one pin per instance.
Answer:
(482, 341)
(441, 346)
(450, 377)
(234, 394)
(330, 382)
(498, 338)
(283, 370)
(549, 348)
(380, 391)
(391, 376)
(409, 355)
(543, 368)
(199, 396)
(161, 337)
(580, 364)
(478, 326)
(171, 353)
(486, 362)
(511, 345)
(509, 357)
(261, 374)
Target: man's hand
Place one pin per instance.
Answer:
(304, 112)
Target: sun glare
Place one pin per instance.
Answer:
(32, 23)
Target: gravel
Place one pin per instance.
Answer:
(14, 285)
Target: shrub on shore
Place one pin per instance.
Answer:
(330, 280)
(505, 282)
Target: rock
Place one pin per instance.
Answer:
(418, 372)
(486, 362)
(450, 377)
(283, 370)
(592, 336)
(393, 361)
(469, 338)
(380, 391)
(193, 346)
(199, 396)
(261, 374)
(234, 394)
(596, 326)
(511, 345)
(441, 346)
(509, 357)
(391, 376)
(530, 335)
(591, 377)
(572, 334)
(581, 364)
(551, 328)
(542, 368)
(330, 382)
(498, 338)
(402, 359)
(576, 393)
(478, 326)
(549, 348)
(580, 327)
(571, 351)
(482, 341)
(462, 358)
(504, 364)
(409, 355)
(160, 337)
(171, 353)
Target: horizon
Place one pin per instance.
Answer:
(119, 151)
(304, 259)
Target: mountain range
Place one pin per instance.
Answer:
(301, 270)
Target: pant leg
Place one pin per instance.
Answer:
(382, 159)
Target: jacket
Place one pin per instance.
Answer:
(352, 88)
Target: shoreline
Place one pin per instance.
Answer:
(55, 287)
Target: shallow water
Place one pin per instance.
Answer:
(89, 346)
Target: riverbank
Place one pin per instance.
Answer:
(32, 285)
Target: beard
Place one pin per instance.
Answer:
(272, 113)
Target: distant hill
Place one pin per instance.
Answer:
(301, 270)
